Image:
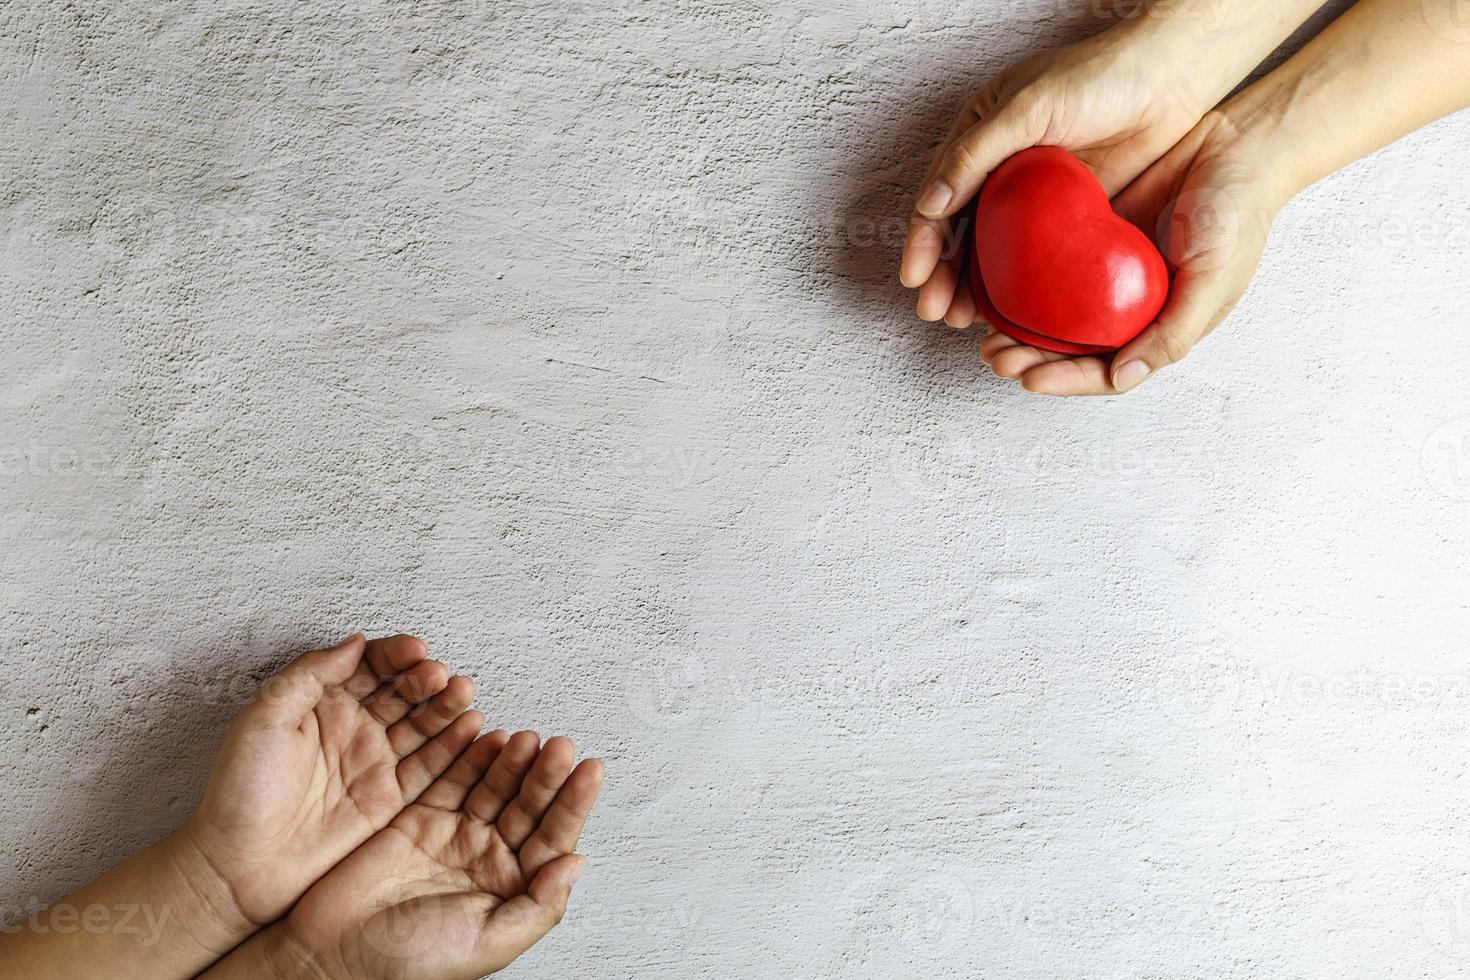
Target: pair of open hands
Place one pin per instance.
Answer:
(1177, 170)
(356, 805)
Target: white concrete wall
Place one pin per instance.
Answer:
(567, 336)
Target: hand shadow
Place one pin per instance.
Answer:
(133, 761)
(872, 205)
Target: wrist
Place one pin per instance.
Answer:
(158, 913)
(1205, 48)
(205, 899)
(1272, 125)
(269, 953)
(291, 959)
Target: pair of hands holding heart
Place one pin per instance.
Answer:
(1067, 320)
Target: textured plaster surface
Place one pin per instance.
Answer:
(567, 336)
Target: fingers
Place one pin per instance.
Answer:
(1069, 376)
(937, 294)
(396, 697)
(1013, 360)
(1043, 371)
(390, 655)
(503, 779)
(416, 772)
(386, 657)
(972, 156)
(561, 828)
(993, 343)
(520, 923)
(547, 774)
(974, 147)
(286, 697)
(431, 718)
(1198, 301)
(558, 804)
(450, 790)
(552, 886)
(962, 312)
(929, 240)
(923, 247)
(1212, 219)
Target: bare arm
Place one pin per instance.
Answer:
(1382, 70)
(158, 914)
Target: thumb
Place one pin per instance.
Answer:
(552, 886)
(1196, 304)
(286, 697)
(970, 158)
(520, 923)
(1213, 242)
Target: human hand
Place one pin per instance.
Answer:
(1212, 199)
(460, 883)
(1118, 101)
(1114, 101)
(333, 749)
(1209, 205)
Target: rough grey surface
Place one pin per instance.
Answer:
(567, 336)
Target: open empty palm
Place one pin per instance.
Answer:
(333, 749)
(462, 881)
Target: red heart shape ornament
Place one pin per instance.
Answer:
(1053, 266)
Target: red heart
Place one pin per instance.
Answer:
(1053, 266)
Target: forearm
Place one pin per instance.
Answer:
(1382, 70)
(156, 915)
(1209, 46)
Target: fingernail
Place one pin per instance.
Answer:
(936, 198)
(1130, 375)
(576, 875)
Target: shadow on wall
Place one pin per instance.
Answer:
(135, 769)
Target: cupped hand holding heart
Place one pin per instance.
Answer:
(1037, 155)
